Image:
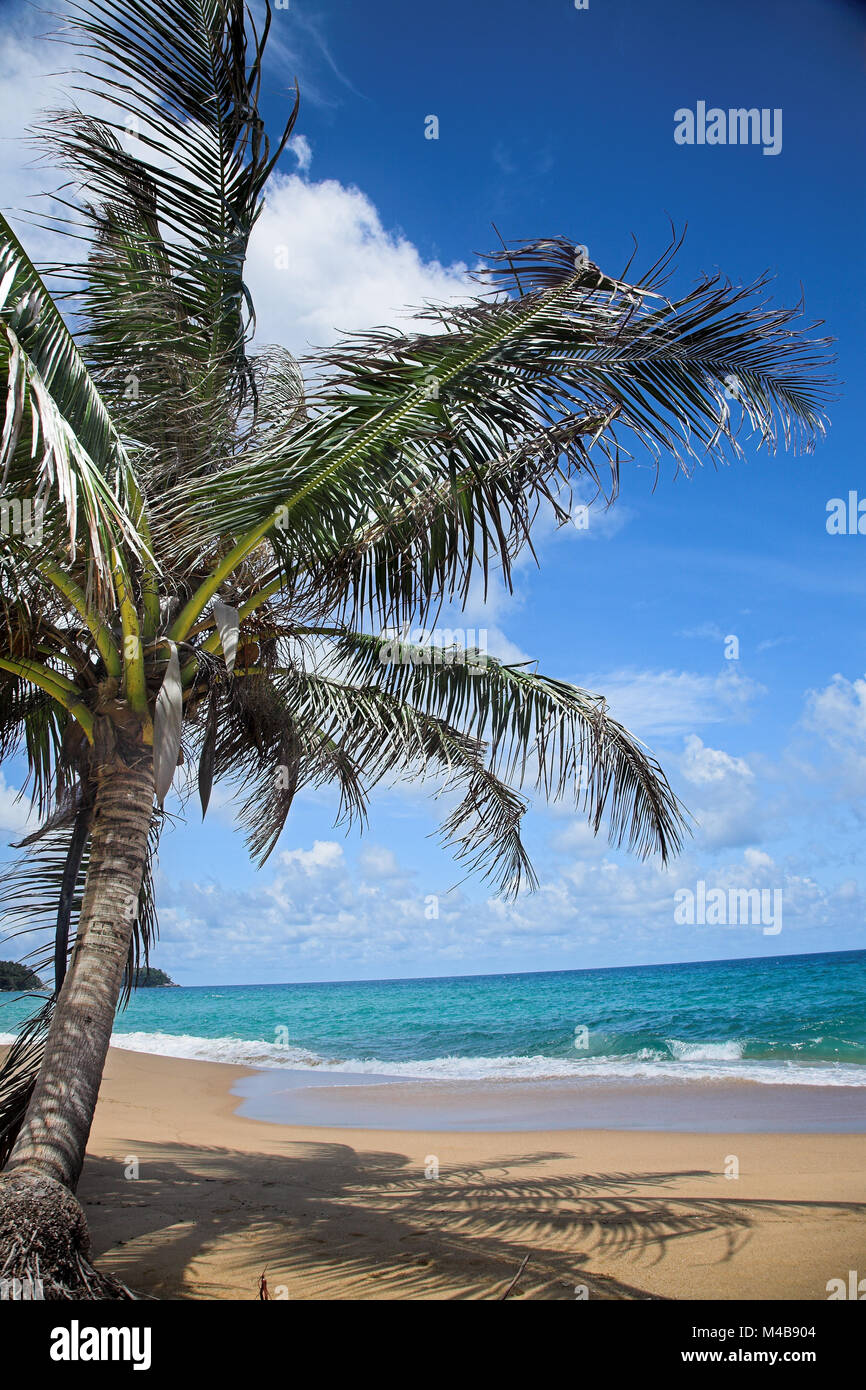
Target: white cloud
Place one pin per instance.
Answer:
(325, 854)
(299, 146)
(321, 914)
(321, 262)
(14, 814)
(592, 518)
(701, 764)
(725, 812)
(838, 713)
(671, 702)
(758, 859)
(379, 862)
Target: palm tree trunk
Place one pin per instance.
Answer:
(39, 1214)
(54, 1135)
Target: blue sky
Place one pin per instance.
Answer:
(553, 120)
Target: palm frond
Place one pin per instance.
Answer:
(34, 891)
(540, 731)
(145, 930)
(426, 456)
(40, 894)
(172, 181)
(319, 729)
(33, 723)
(18, 1075)
(393, 740)
(264, 742)
(59, 444)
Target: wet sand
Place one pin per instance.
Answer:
(346, 1100)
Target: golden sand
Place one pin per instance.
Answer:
(350, 1214)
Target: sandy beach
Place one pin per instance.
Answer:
(351, 1214)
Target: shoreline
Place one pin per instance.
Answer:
(358, 1213)
(350, 1101)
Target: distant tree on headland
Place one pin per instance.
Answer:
(15, 976)
(149, 978)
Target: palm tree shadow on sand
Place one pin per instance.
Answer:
(334, 1222)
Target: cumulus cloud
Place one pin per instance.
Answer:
(325, 915)
(725, 803)
(838, 713)
(701, 764)
(325, 854)
(321, 262)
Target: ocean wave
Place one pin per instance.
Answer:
(240, 1051)
(682, 1061)
(705, 1052)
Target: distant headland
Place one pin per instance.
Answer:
(14, 976)
(149, 978)
(19, 977)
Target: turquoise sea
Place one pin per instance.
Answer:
(784, 1020)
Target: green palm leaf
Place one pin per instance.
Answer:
(425, 455)
(163, 292)
(540, 731)
(60, 447)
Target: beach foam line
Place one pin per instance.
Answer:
(687, 1061)
(240, 1051)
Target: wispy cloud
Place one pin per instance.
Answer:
(673, 702)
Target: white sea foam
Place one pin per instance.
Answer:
(705, 1052)
(241, 1051)
(687, 1061)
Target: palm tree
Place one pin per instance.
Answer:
(210, 541)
